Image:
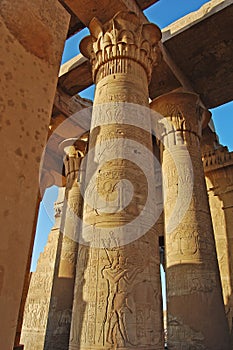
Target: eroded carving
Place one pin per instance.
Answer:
(183, 337)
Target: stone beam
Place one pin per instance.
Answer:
(206, 60)
(67, 105)
(203, 67)
(75, 75)
(75, 23)
(85, 10)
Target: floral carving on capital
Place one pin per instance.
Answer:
(182, 111)
(122, 39)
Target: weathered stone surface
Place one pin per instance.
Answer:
(218, 166)
(193, 285)
(27, 277)
(117, 300)
(106, 9)
(53, 328)
(206, 60)
(32, 40)
(65, 270)
(39, 300)
(76, 24)
(71, 119)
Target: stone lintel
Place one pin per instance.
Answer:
(191, 19)
(174, 71)
(68, 105)
(206, 60)
(76, 24)
(86, 10)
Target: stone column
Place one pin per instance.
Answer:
(196, 318)
(118, 295)
(32, 41)
(27, 278)
(59, 317)
(37, 304)
(218, 166)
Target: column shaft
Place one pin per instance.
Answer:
(196, 318)
(219, 179)
(59, 318)
(118, 293)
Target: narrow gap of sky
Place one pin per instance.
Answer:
(162, 13)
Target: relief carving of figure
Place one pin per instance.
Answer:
(119, 302)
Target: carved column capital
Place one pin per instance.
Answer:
(184, 113)
(74, 151)
(191, 263)
(113, 46)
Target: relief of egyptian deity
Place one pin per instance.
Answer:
(124, 311)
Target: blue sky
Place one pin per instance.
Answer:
(162, 13)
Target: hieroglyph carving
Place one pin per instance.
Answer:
(191, 262)
(39, 294)
(125, 309)
(117, 302)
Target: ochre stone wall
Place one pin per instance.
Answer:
(32, 40)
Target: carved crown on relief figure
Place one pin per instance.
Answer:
(123, 37)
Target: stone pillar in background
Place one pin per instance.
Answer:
(196, 317)
(26, 281)
(117, 300)
(32, 40)
(49, 302)
(59, 317)
(218, 166)
(40, 288)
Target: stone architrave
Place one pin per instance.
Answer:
(196, 318)
(117, 303)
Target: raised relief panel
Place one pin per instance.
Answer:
(183, 337)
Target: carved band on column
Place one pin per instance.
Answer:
(193, 286)
(118, 292)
